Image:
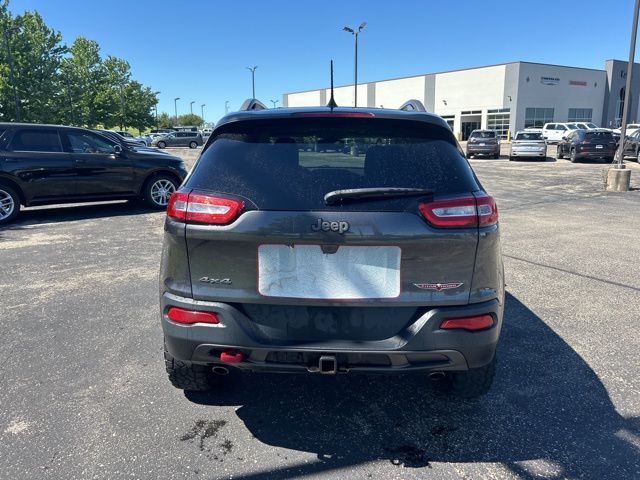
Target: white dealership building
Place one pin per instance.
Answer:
(504, 97)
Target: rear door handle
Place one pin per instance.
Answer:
(81, 160)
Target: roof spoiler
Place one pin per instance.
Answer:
(252, 104)
(413, 105)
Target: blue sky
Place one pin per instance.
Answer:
(198, 49)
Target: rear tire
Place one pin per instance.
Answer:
(161, 145)
(193, 145)
(158, 189)
(9, 204)
(559, 155)
(511, 159)
(186, 375)
(468, 155)
(496, 156)
(472, 383)
(572, 156)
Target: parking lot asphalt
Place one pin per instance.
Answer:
(83, 392)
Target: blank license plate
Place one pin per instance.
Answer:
(304, 271)
(599, 146)
(482, 144)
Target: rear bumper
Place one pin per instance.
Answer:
(595, 154)
(519, 152)
(422, 345)
(483, 150)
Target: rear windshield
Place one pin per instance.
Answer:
(291, 164)
(483, 135)
(529, 136)
(599, 135)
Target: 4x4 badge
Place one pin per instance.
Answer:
(438, 286)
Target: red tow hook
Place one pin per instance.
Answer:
(231, 356)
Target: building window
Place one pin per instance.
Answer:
(449, 119)
(471, 112)
(498, 120)
(537, 117)
(580, 114)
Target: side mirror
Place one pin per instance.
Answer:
(117, 149)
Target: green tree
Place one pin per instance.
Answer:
(37, 52)
(190, 119)
(164, 120)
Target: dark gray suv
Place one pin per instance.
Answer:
(284, 251)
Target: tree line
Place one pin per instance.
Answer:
(71, 85)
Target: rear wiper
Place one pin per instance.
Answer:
(352, 194)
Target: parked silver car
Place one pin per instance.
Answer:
(528, 144)
(178, 139)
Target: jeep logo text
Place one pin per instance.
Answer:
(340, 227)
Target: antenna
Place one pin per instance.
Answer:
(332, 102)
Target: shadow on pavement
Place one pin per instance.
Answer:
(546, 404)
(74, 212)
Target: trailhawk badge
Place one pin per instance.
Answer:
(438, 286)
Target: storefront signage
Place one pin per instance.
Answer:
(549, 80)
(578, 83)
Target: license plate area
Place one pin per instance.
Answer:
(352, 272)
(599, 146)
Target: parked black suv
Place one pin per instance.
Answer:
(47, 164)
(285, 253)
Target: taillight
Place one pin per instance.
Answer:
(487, 210)
(479, 322)
(459, 212)
(189, 317)
(199, 208)
(476, 211)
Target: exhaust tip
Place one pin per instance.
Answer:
(218, 370)
(436, 376)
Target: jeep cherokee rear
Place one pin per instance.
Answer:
(332, 241)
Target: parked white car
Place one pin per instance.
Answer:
(631, 129)
(587, 125)
(554, 132)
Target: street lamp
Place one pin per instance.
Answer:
(155, 94)
(175, 107)
(202, 110)
(355, 32)
(274, 102)
(7, 33)
(191, 106)
(253, 80)
(226, 107)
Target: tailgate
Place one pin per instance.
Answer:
(392, 258)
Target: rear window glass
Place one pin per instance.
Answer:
(36, 141)
(291, 164)
(529, 136)
(599, 135)
(483, 134)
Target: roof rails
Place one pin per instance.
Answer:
(413, 105)
(252, 104)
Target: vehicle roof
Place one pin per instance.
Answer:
(278, 113)
(43, 125)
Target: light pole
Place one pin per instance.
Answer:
(226, 107)
(627, 89)
(191, 106)
(12, 79)
(155, 94)
(274, 102)
(253, 80)
(202, 110)
(175, 107)
(355, 32)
